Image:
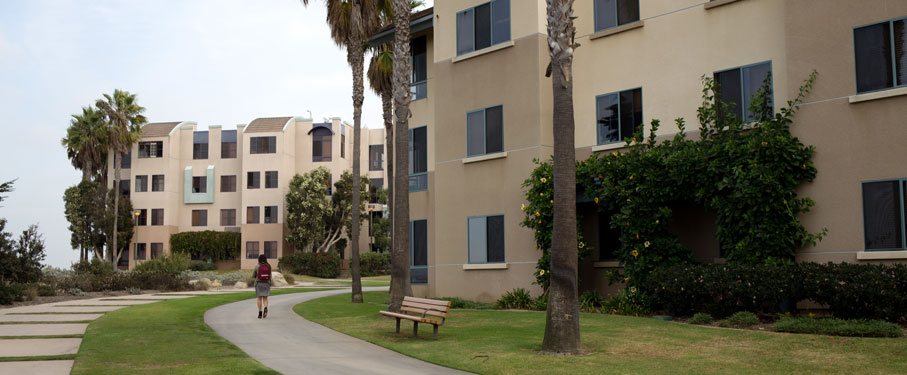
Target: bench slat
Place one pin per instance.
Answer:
(427, 312)
(410, 317)
(427, 301)
(425, 306)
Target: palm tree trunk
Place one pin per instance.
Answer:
(116, 208)
(387, 104)
(356, 51)
(400, 283)
(86, 172)
(562, 317)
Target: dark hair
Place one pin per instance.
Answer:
(262, 259)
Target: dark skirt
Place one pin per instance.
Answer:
(262, 288)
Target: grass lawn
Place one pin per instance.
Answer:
(366, 281)
(167, 337)
(503, 342)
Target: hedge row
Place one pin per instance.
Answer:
(375, 264)
(323, 265)
(207, 244)
(850, 291)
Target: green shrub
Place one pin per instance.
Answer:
(173, 263)
(839, 327)
(541, 303)
(122, 280)
(461, 303)
(45, 290)
(96, 266)
(740, 319)
(591, 301)
(11, 292)
(207, 244)
(628, 301)
(323, 265)
(132, 290)
(374, 264)
(290, 279)
(202, 266)
(701, 318)
(518, 298)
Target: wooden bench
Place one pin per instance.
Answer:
(421, 310)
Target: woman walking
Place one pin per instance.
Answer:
(262, 284)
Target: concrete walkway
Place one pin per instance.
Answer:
(290, 344)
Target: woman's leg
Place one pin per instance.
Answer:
(259, 303)
(265, 299)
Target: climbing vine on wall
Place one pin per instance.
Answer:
(747, 172)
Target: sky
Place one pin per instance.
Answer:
(216, 62)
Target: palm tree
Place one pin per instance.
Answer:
(351, 21)
(86, 142)
(124, 122)
(562, 316)
(380, 79)
(400, 283)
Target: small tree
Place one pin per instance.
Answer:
(89, 208)
(20, 261)
(312, 219)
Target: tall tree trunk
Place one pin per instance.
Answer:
(562, 317)
(387, 104)
(356, 50)
(116, 209)
(86, 172)
(400, 283)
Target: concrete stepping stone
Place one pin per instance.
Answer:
(142, 297)
(37, 367)
(91, 302)
(38, 347)
(61, 309)
(49, 317)
(42, 330)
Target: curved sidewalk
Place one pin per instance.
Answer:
(290, 344)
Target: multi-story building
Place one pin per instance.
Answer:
(181, 179)
(482, 112)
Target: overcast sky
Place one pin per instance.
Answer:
(217, 62)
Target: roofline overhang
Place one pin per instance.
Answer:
(419, 24)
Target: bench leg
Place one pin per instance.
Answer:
(435, 334)
(398, 325)
(415, 328)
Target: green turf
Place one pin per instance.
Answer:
(366, 281)
(38, 358)
(506, 342)
(166, 337)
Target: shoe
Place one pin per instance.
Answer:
(266, 312)
(259, 315)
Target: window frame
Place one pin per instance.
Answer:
(620, 137)
(319, 136)
(412, 251)
(485, 131)
(126, 160)
(273, 220)
(415, 87)
(199, 184)
(490, 27)
(257, 214)
(257, 250)
(418, 175)
(900, 194)
(232, 184)
(141, 220)
(199, 148)
(163, 181)
(153, 216)
(144, 252)
(256, 147)
(745, 105)
(253, 176)
(373, 164)
(617, 23)
(141, 181)
(158, 147)
(264, 249)
(894, 66)
(226, 146)
(469, 259)
(199, 218)
(269, 175)
(230, 214)
(161, 249)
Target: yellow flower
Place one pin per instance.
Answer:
(811, 315)
(552, 201)
(541, 194)
(635, 253)
(582, 245)
(637, 236)
(541, 272)
(540, 221)
(631, 177)
(596, 200)
(634, 139)
(544, 180)
(657, 221)
(647, 244)
(537, 214)
(615, 153)
(626, 279)
(764, 143)
(523, 207)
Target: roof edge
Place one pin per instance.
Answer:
(180, 125)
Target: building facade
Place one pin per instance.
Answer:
(182, 179)
(482, 112)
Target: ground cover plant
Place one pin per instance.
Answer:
(839, 327)
(504, 342)
(167, 337)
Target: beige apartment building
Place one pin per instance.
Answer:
(180, 179)
(482, 112)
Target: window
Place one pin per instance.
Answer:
(618, 115)
(228, 144)
(253, 180)
(153, 149)
(271, 180)
(251, 249)
(124, 188)
(271, 249)
(418, 245)
(157, 216)
(608, 238)
(342, 142)
(485, 131)
(418, 159)
(612, 13)
(483, 26)
(252, 214)
(270, 214)
(157, 250)
(228, 217)
(228, 184)
(199, 184)
(140, 253)
(375, 157)
(374, 185)
(199, 145)
(157, 182)
(737, 87)
(880, 55)
(486, 239)
(883, 214)
(141, 184)
(142, 218)
(263, 145)
(126, 160)
(199, 218)
(321, 144)
(419, 63)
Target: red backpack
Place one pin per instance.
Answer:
(264, 272)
